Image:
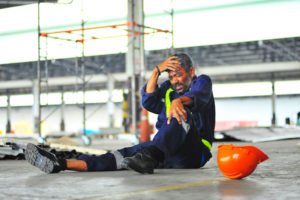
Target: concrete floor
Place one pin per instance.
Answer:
(276, 178)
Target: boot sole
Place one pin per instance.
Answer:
(33, 156)
(137, 168)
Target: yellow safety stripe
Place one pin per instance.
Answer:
(168, 100)
(206, 143)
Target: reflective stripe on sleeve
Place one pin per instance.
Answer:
(168, 100)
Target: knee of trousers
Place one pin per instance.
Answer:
(171, 136)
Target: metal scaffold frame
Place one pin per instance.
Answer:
(113, 26)
(130, 29)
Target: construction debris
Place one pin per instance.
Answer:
(14, 151)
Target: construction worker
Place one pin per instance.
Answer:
(186, 120)
(125, 109)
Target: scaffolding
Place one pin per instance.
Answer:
(80, 36)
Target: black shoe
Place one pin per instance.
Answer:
(142, 162)
(45, 161)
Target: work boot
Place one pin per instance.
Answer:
(143, 161)
(44, 160)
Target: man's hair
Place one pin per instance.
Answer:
(185, 61)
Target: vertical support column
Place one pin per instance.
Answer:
(172, 26)
(8, 112)
(274, 123)
(62, 112)
(36, 107)
(83, 98)
(37, 83)
(83, 69)
(110, 103)
(135, 63)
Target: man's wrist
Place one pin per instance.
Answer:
(185, 100)
(158, 70)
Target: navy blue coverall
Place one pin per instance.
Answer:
(184, 146)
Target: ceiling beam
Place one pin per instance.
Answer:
(213, 71)
(252, 68)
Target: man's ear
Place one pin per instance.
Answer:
(192, 71)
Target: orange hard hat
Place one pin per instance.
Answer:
(236, 162)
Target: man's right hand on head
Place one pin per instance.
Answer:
(170, 64)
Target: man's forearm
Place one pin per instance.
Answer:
(151, 84)
(186, 101)
(177, 109)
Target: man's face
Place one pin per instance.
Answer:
(180, 79)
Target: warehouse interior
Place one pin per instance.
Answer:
(71, 71)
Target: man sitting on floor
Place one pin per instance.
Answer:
(186, 119)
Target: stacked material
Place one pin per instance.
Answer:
(263, 134)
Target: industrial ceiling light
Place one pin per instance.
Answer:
(24, 2)
(14, 3)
